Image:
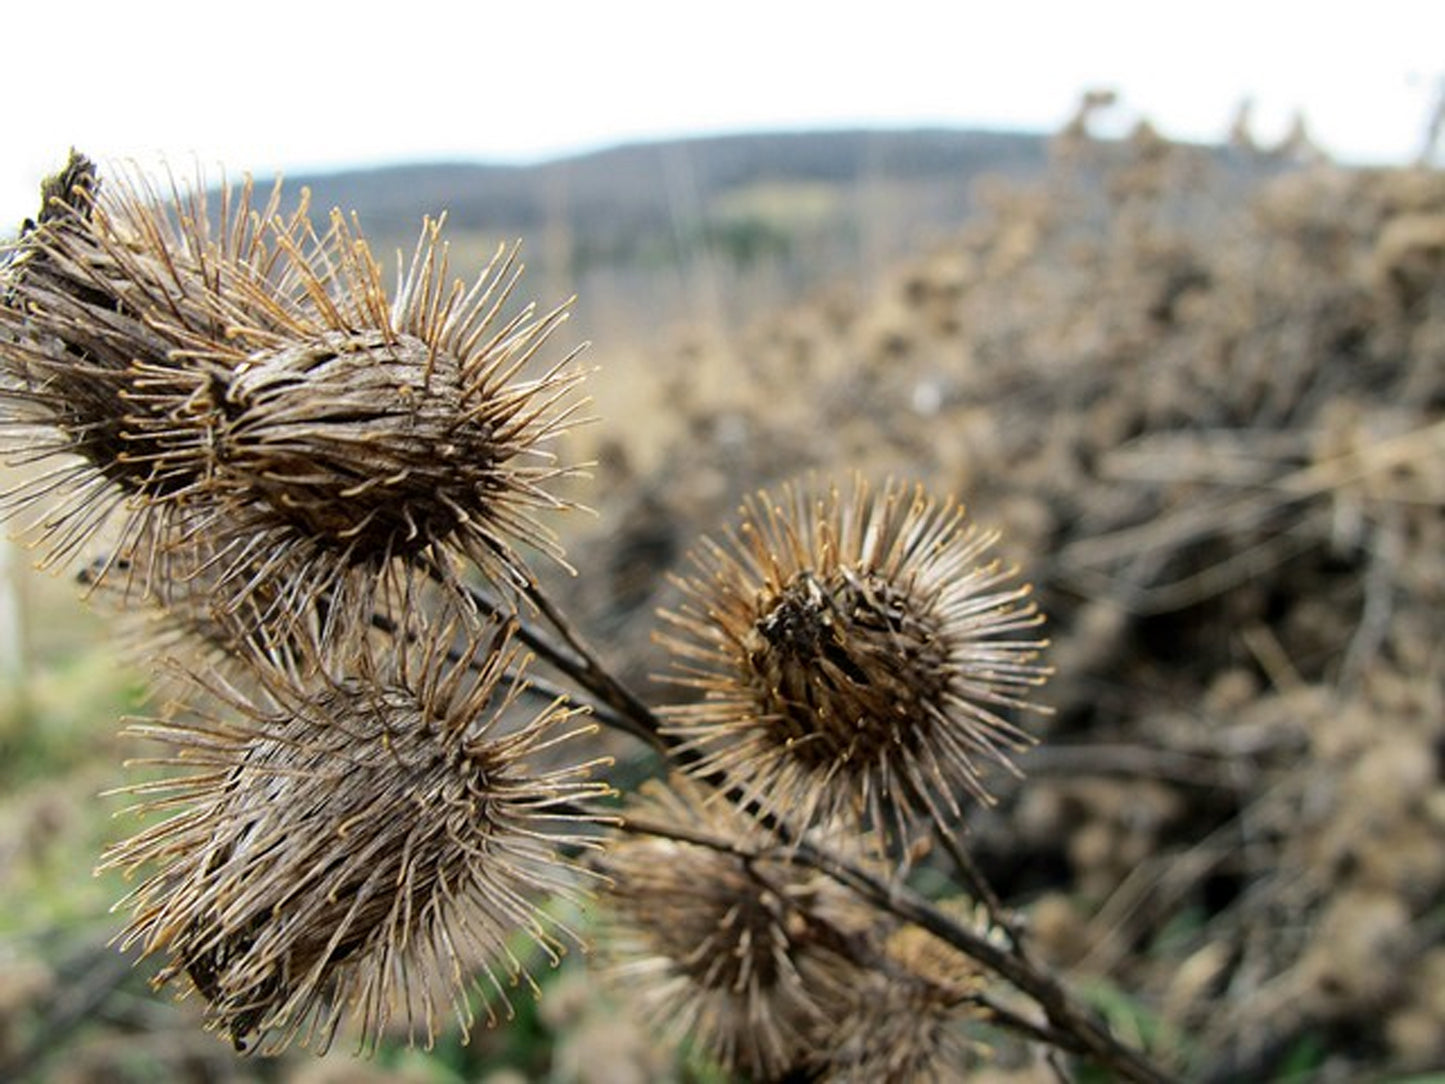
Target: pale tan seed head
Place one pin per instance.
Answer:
(913, 1018)
(716, 949)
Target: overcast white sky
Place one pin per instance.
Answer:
(261, 86)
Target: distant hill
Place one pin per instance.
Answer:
(713, 227)
(638, 189)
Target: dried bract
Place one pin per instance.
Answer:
(370, 851)
(853, 655)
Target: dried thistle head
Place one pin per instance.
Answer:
(893, 1031)
(717, 934)
(232, 374)
(71, 341)
(371, 850)
(725, 950)
(907, 1019)
(854, 655)
(404, 431)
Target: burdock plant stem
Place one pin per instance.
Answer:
(1087, 1034)
(1074, 1027)
(614, 705)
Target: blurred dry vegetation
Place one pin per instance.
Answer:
(1203, 393)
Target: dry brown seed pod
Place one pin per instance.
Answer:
(85, 379)
(398, 434)
(716, 948)
(373, 850)
(717, 936)
(854, 656)
(230, 374)
(906, 1021)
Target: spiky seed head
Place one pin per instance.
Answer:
(239, 376)
(912, 1017)
(123, 311)
(406, 432)
(370, 852)
(894, 1030)
(854, 656)
(714, 947)
(69, 342)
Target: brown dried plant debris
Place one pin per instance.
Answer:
(232, 374)
(855, 657)
(371, 852)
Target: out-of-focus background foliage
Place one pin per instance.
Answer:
(1202, 392)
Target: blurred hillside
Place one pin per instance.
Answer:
(641, 201)
(712, 229)
(620, 201)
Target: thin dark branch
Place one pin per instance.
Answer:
(611, 704)
(1072, 1026)
(976, 883)
(1004, 1017)
(592, 675)
(1033, 979)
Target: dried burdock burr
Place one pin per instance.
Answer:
(912, 1017)
(720, 937)
(73, 345)
(715, 947)
(854, 656)
(230, 374)
(387, 436)
(368, 847)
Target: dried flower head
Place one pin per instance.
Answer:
(716, 947)
(906, 1020)
(403, 432)
(372, 850)
(853, 656)
(239, 377)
